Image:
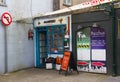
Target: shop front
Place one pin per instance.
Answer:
(52, 38)
(92, 42)
(95, 39)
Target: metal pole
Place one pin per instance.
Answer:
(6, 54)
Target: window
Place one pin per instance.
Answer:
(56, 40)
(67, 2)
(56, 5)
(2, 2)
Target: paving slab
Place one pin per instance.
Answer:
(43, 75)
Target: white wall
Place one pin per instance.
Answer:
(2, 49)
(20, 50)
(25, 8)
(42, 7)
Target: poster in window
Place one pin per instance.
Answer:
(91, 50)
(83, 49)
(98, 50)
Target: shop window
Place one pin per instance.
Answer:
(2, 2)
(67, 2)
(118, 28)
(55, 39)
(56, 5)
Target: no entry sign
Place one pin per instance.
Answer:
(6, 18)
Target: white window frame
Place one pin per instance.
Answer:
(67, 2)
(2, 2)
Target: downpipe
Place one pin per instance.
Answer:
(113, 15)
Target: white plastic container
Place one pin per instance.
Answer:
(49, 66)
(58, 66)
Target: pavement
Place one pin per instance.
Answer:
(43, 75)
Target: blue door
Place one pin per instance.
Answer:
(41, 47)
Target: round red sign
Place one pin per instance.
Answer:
(6, 18)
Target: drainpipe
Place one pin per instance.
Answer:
(113, 15)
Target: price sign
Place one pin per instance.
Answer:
(65, 61)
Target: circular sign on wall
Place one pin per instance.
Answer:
(6, 18)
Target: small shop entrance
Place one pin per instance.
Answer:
(49, 43)
(43, 47)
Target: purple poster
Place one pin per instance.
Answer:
(97, 38)
(98, 50)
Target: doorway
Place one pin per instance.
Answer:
(49, 43)
(43, 47)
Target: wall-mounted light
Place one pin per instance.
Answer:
(39, 23)
(60, 20)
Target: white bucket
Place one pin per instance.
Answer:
(58, 66)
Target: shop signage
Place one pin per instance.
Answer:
(50, 21)
(6, 19)
(65, 61)
(94, 3)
